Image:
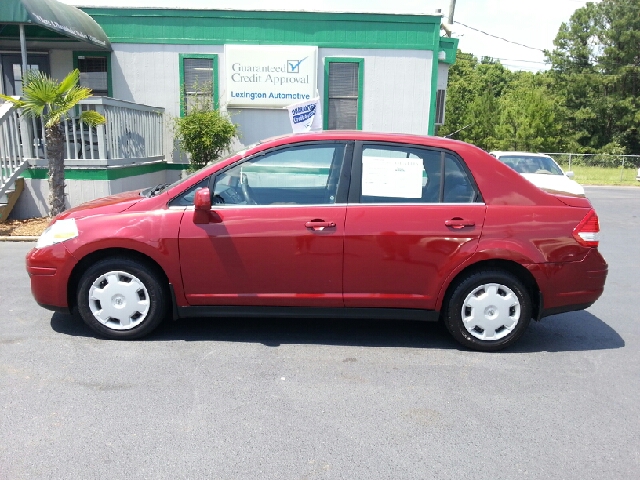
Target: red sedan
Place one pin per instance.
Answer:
(347, 224)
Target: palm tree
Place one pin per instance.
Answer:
(45, 98)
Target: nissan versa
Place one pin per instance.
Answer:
(347, 224)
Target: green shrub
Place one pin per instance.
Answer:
(205, 134)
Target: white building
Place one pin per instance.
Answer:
(372, 71)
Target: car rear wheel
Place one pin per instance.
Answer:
(121, 298)
(488, 310)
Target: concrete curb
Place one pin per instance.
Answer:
(17, 238)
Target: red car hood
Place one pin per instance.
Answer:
(111, 204)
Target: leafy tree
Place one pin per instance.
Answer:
(588, 102)
(460, 93)
(620, 63)
(596, 64)
(482, 114)
(472, 100)
(45, 98)
(528, 119)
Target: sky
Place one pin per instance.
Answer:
(533, 23)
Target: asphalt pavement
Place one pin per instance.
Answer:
(287, 399)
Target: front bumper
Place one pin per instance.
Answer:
(50, 269)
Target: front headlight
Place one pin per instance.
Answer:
(57, 232)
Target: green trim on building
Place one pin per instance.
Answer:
(112, 173)
(32, 32)
(218, 27)
(107, 55)
(450, 47)
(360, 62)
(214, 79)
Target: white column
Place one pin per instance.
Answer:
(25, 132)
(23, 50)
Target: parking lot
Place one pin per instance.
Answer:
(245, 398)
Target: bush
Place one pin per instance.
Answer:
(205, 134)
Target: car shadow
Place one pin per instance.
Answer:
(567, 332)
(575, 331)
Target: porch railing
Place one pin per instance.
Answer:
(132, 133)
(12, 159)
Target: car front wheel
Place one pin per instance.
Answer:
(121, 298)
(488, 310)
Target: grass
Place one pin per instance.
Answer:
(585, 175)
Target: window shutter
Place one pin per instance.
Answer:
(198, 81)
(198, 73)
(343, 95)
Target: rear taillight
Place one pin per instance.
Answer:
(587, 232)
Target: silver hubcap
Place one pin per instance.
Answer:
(119, 300)
(490, 311)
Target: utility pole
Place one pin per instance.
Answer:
(447, 27)
(452, 8)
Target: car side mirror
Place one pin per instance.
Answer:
(202, 202)
(569, 174)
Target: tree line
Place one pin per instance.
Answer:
(587, 102)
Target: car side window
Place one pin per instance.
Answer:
(457, 185)
(404, 174)
(299, 175)
(186, 198)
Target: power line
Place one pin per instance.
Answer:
(499, 38)
(518, 60)
(520, 67)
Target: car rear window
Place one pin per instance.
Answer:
(402, 174)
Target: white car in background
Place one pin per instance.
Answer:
(541, 170)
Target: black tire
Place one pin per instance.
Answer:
(504, 335)
(143, 282)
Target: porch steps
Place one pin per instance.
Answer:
(8, 200)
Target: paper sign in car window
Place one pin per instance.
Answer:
(392, 177)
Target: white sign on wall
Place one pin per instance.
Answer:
(269, 76)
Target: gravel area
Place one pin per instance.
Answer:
(31, 227)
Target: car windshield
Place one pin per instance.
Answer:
(531, 164)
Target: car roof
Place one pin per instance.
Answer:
(528, 154)
(364, 135)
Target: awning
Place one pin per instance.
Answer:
(58, 17)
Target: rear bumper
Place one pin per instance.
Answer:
(566, 308)
(571, 286)
(49, 269)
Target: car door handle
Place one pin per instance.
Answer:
(319, 225)
(457, 223)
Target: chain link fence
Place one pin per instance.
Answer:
(620, 167)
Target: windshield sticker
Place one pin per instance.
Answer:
(392, 177)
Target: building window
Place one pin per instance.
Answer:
(95, 72)
(441, 96)
(198, 82)
(17, 76)
(343, 93)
